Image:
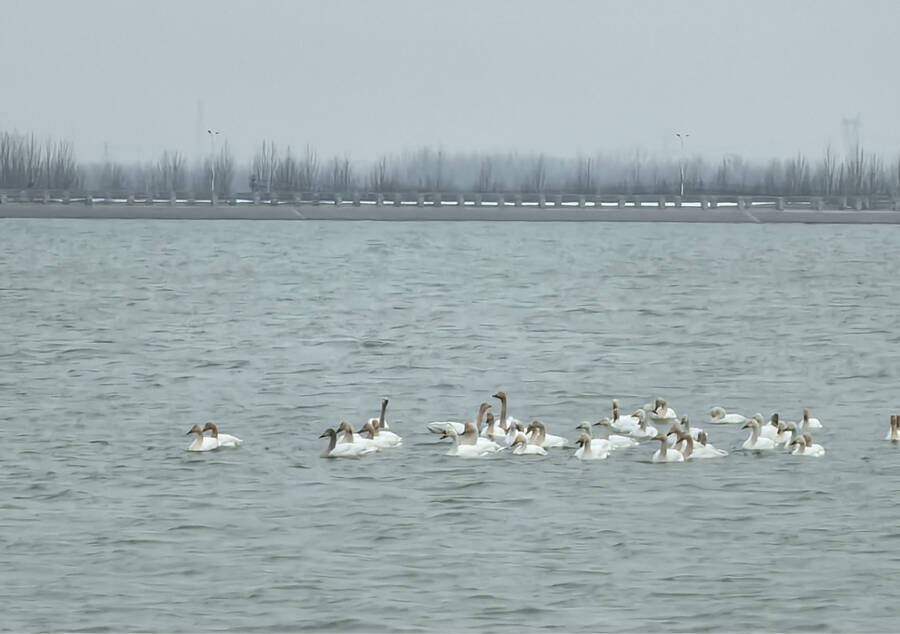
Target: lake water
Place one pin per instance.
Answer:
(117, 336)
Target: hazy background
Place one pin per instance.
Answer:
(763, 79)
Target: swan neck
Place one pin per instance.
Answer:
(332, 442)
(381, 418)
(503, 414)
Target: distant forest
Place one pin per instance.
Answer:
(29, 163)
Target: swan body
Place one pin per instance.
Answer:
(492, 431)
(719, 415)
(463, 450)
(615, 441)
(643, 430)
(804, 446)
(623, 424)
(664, 453)
(662, 413)
(442, 427)
(346, 435)
(894, 433)
(755, 442)
(539, 436)
(382, 439)
(591, 449)
(343, 449)
(201, 443)
(810, 423)
(224, 440)
(703, 449)
(521, 447)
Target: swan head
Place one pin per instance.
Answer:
(807, 439)
(752, 424)
(774, 419)
(195, 430)
(675, 429)
(500, 395)
(489, 420)
(791, 427)
(345, 427)
(370, 429)
(536, 425)
(603, 421)
(211, 427)
(685, 422)
(758, 418)
(384, 403)
(449, 433)
(328, 433)
(640, 415)
(701, 438)
(586, 427)
(717, 412)
(660, 437)
(584, 441)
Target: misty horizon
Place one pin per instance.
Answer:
(760, 80)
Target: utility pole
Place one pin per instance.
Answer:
(681, 137)
(212, 161)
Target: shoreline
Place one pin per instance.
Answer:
(411, 213)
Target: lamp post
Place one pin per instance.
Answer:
(681, 137)
(212, 162)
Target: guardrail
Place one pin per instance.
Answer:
(458, 199)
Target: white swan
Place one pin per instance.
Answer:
(514, 430)
(664, 453)
(521, 447)
(591, 449)
(623, 424)
(683, 426)
(662, 413)
(754, 442)
(464, 450)
(643, 430)
(894, 433)
(505, 419)
(224, 440)
(786, 434)
(202, 443)
(441, 427)
(810, 423)
(539, 436)
(771, 429)
(381, 439)
(346, 435)
(380, 424)
(804, 446)
(343, 449)
(492, 431)
(616, 441)
(719, 415)
(703, 449)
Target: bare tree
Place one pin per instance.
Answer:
(341, 174)
(309, 170)
(262, 169)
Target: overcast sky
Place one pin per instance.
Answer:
(372, 77)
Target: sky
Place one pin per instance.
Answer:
(128, 79)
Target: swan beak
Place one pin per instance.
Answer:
(323, 434)
(745, 426)
(189, 432)
(494, 396)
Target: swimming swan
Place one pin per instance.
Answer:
(719, 415)
(539, 436)
(441, 427)
(703, 449)
(224, 440)
(346, 435)
(754, 442)
(810, 423)
(662, 413)
(465, 450)
(521, 447)
(804, 446)
(623, 424)
(616, 441)
(343, 449)
(381, 439)
(643, 430)
(202, 443)
(590, 450)
(894, 433)
(664, 453)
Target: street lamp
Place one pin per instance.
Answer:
(681, 137)
(212, 162)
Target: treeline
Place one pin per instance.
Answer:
(26, 163)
